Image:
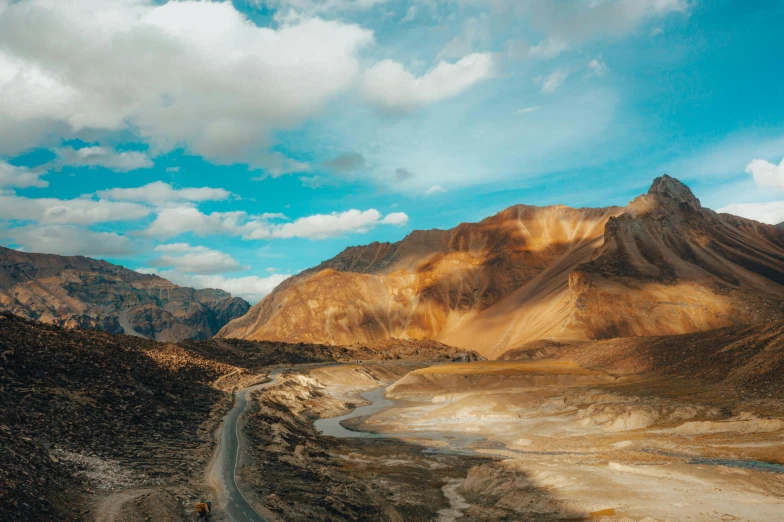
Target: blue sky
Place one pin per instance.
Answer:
(232, 144)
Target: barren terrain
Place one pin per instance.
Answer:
(662, 265)
(516, 440)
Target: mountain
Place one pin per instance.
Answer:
(79, 292)
(662, 265)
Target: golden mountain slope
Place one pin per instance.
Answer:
(662, 265)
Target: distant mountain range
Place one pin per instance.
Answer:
(79, 292)
(661, 265)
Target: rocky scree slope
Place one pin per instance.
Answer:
(79, 292)
(81, 410)
(662, 265)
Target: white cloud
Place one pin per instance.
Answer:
(106, 157)
(12, 176)
(435, 189)
(174, 221)
(187, 73)
(389, 85)
(80, 211)
(597, 67)
(251, 288)
(68, 240)
(396, 218)
(767, 174)
(172, 170)
(159, 193)
(548, 48)
(411, 14)
(551, 83)
(771, 212)
(195, 259)
(526, 110)
(322, 226)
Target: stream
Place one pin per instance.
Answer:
(458, 443)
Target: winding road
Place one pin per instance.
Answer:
(234, 502)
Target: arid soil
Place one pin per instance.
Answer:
(542, 440)
(662, 265)
(568, 442)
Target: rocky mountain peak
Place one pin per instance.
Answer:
(670, 187)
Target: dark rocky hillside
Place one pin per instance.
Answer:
(79, 292)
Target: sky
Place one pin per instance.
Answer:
(232, 144)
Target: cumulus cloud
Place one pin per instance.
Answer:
(80, 211)
(187, 73)
(322, 226)
(160, 193)
(398, 219)
(551, 82)
(172, 222)
(767, 174)
(195, 259)
(771, 213)
(12, 176)
(390, 86)
(96, 156)
(68, 240)
(251, 288)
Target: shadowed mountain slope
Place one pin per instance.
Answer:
(79, 292)
(744, 359)
(662, 265)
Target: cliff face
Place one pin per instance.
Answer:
(662, 265)
(79, 292)
(670, 266)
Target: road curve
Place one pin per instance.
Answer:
(235, 504)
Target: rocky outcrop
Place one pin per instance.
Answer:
(662, 265)
(79, 292)
(670, 266)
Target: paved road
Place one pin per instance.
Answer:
(237, 507)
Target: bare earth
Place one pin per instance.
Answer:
(562, 442)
